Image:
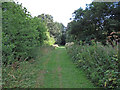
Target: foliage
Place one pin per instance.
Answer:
(55, 29)
(45, 72)
(50, 40)
(20, 74)
(99, 62)
(21, 32)
(97, 21)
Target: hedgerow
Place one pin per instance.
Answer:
(21, 33)
(99, 62)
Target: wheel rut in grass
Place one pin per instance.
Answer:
(41, 73)
(59, 69)
(59, 76)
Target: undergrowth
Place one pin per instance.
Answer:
(100, 63)
(23, 73)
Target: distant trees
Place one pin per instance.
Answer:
(97, 21)
(56, 29)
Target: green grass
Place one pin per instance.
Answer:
(54, 70)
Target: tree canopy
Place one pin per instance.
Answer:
(97, 22)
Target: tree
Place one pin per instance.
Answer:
(54, 28)
(97, 21)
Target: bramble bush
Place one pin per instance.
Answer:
(100, 63)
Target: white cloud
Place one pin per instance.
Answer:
(61, 10)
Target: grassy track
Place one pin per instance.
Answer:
(53, 70)
(58, 71)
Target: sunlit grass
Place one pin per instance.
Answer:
(61, 47)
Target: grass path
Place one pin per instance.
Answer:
(56, 70)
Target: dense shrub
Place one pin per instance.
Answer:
(20, 32)
(99, 62)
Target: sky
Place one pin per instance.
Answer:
(61, 10)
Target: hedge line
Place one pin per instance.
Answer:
(99, 62)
